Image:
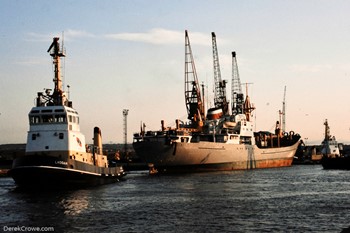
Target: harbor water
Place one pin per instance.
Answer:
(302, 198)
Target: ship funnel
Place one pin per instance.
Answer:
(97, 140)
(214, 113)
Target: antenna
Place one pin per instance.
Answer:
(68, 92)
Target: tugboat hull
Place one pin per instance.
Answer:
(45, 171)
(342, 163)
(56, 177)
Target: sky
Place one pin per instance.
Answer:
(130, 55)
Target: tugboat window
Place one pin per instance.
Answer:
(33, 136)
(34, 119)
(60, 118)
(59, 110)
(47, 118)
(61, 136)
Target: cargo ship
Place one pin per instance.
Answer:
(332, 152)
(56, 154)
(218, 140)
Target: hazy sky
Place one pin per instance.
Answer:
(130, 55)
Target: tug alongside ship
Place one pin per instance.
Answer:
(218, 140)
(56, 153)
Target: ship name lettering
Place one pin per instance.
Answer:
(61, 162)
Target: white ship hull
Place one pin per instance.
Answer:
(206, 156)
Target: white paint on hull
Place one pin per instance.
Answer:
(210, 153)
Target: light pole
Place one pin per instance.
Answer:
(125, 120)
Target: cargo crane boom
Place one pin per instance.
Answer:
(220, 100)
(194, 102)
(236, 89)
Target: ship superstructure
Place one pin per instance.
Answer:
(330, 147)
(56, 150)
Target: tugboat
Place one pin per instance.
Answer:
(56, 154)
(217, 141)
(333, 158)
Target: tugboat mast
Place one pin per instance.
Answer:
(326, 131)
(56, 53)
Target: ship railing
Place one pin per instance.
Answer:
(266, 139)
(94, 169)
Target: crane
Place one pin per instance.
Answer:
(236, 89)
(194, 102)
(220, 100)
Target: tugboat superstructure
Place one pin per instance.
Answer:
(56, 151)
(332, 152)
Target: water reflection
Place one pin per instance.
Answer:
(43, 208)
(296, 199)
(75, 203)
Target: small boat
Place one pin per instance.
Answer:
(332, 156)
(56, 154)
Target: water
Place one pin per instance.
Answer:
(294, 199)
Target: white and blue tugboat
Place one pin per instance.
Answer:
(56, 153)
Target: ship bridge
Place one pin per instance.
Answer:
(65, 118)
(54, 128)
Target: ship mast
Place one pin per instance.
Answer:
(56, 54)
(194, 102)
(327, 133)
(236, 89)
(220, 100)
(248, 108)
(327, 138)
(283, 112)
